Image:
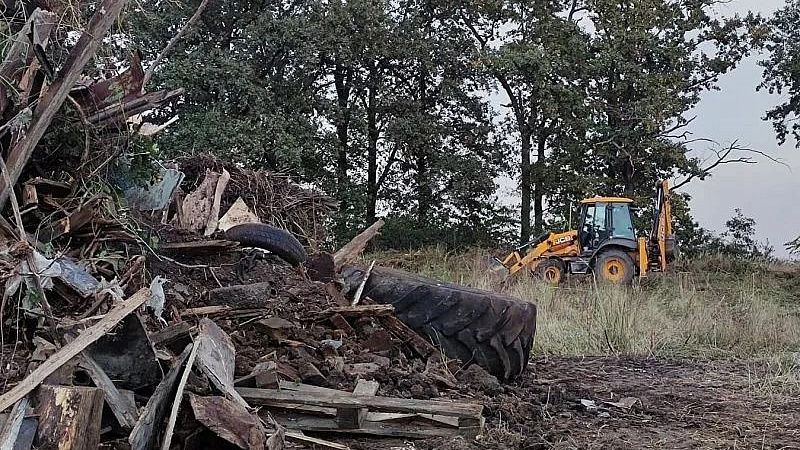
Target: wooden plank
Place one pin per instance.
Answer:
(144, 433)
(50, 102)
(355, 417)
(298, 436)
(420, 345)
(388, 404)
(205, 310)
(9, 431)
(69, 417)
(320, 424)
(302, 387)
(216, 358)
(230, 421)
(69, 351)
(75, 221)
(176, 405)
(120, 406)
(350, 251)
(364, 387)
(359, 311)
(175, 334)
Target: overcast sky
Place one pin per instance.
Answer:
(766, 191)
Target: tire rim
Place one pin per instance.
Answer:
(614, 270)
(552, 275)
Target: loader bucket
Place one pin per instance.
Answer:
(496, 266)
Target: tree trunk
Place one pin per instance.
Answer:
(372, 147)
(525, 185)
(539, 184)
(342, 78)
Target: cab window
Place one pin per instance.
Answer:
(621, 221)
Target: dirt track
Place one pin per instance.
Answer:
(712, 405)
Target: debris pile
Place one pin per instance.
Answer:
(134, 317)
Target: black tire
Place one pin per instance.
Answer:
(624, 267)
(275, 240)
(492, 330)
(551, 271)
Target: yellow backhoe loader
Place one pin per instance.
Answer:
(605, 244)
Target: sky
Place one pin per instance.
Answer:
(765, 191)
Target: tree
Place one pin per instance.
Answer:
(651, 61)
(781, 41)
(540, 68)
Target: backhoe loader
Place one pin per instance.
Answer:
(605, 244)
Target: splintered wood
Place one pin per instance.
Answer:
(310, 408)
(72, 349)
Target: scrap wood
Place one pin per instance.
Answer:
(215, 358)
(197, 206)
(420, 345)
(230, 421)
(358, 311)
(213, 216)
(69, 351)
(69, 417)
(144, 433)
(176, 405)
(17, 56)
(350, 251)
(173, 333)
(74, 221)
(205, 310)
(19, 154)
(237, 214)
(360, 290)
(354, 418)
(328, 425)
(462, 410)
(122, 407)
(10, 429)
(127, 355)
(298, 436)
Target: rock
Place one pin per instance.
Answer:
(478, 377)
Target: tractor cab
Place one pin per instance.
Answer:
(605, 219)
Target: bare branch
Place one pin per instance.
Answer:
(192, 20)
(724, 156)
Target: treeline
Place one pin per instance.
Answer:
(414, 109)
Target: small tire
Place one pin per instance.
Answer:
(551, 271)
(614, 266)
(492, 330)
(275, 240)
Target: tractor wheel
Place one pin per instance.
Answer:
(478, 327)
(275, 240)
(614, 266)
(551, 271)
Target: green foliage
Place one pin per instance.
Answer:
(781, 40)
(383, 104)
(738, 241)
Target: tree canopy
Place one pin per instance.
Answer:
(415, 110)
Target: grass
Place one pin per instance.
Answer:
(712, 307)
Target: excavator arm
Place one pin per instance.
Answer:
(662, 238)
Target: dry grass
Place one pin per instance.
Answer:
(716, 308)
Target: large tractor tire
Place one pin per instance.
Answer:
(478, 327)
(275, 240)
(614, 266)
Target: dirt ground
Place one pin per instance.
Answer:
(680, 405)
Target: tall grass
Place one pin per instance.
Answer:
(711, 308)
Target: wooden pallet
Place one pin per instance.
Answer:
(304, 407)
